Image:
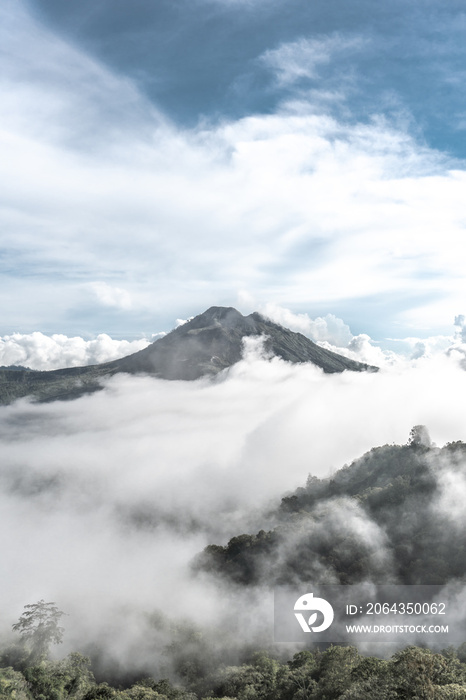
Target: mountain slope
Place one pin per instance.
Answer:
(213, 341)
(206, 345)
(391, 517)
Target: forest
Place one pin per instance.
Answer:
(339, 673)
(399, 495)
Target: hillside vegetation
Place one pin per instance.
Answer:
(387, 517)
(339, 673)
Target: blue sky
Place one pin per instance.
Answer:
(160, 157)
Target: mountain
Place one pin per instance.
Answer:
(213, 341)
(204, 346)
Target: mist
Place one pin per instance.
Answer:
(106, 500)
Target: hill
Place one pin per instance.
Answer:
(388, 517)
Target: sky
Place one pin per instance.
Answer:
(163, 157)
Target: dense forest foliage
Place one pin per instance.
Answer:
(338, 673)
(387, 517)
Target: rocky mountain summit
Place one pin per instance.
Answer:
(213, 341)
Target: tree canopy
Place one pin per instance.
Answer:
(39, 627)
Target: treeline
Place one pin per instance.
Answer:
(384, 518)
(339, 673)
(73, 678)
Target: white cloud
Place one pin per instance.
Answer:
(328, 328)
(334, 334)
(181, 321)
(303, 58)
(460, 322)
(291, 206)
(107, 295)
(452, 485)
(110, 496)
(41, 352)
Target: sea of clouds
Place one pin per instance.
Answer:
(107, 499)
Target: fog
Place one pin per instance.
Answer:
(107, 499)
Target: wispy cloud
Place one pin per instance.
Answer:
(107, 295)
(303, 58)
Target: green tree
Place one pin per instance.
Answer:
(334, 673)
(39, 627)
(425, 675)
(13, 685)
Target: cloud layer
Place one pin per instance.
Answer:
(106, 500)
(41, 352)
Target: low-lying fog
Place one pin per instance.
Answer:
(105, 500)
